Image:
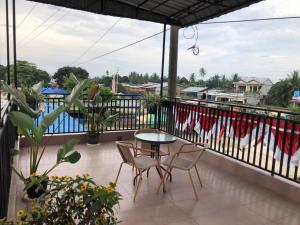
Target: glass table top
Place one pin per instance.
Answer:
(158, 138)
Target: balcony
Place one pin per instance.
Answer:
(226, 198)
(247, 177)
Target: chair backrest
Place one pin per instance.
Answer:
(125, 152)
(196, 150)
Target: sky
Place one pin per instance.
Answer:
(263, 49)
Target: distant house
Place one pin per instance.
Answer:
(194, 92)
(296, 98)
(258, 85)
(221, 96)
(149, 87)
(255, 89)
(54, 92)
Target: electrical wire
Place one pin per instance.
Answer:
(46, 28)
(93, 44)
(121, 48)
(250, 20)
(229, 21)
(40, 25)
(25, 17)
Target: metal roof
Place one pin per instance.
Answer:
(173, 12)
(193, 89)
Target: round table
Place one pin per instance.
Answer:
(155, 139)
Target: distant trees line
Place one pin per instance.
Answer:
(29, 74)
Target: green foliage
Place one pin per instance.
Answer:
(296, 110)
(72, 201)
(100, 118)
(281, 93)
(2, 72)
(29, 74)
(63, 73)
(151, 100)
(24, 121)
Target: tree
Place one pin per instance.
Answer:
(2, 72)
(154, 78)
(192, 79)
(202, 72)
(281, 93)
(28, 74)
(235, 78)
(183, 81)
(62, 73)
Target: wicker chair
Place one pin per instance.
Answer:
(177, 162)
(140, 163)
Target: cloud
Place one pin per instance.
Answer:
(269, 48)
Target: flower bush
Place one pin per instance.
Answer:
(72, 201)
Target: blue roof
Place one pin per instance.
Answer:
(296, 94)
(53, 91)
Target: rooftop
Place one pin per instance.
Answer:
(193, 89)
(250, 79)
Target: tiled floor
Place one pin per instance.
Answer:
(224, 199)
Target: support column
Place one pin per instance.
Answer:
(7, 44)
(173, 58)
(15, 43)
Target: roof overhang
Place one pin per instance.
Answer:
(172, 12)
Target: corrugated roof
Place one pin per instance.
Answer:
(194, 89)
(173, 12)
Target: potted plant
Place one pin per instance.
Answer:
(97, 113)
(72, 201)
(24, 120)
(151, 102)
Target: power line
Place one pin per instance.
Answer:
(25, 17)
(46, 28)
(41, 24)
(99, 39)
(203, 23)
(121, 48)
(250, 20)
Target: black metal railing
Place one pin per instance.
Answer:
(260, 137)
(7, 142)
(132, 115)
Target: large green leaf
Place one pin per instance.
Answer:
(74, 78)
(76, 92)
(19, 100)
(47, 121)
(37, 87)
(73, 158)
(14, 152)
(66, 148)
(21, 120)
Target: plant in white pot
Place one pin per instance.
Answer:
(24, 120)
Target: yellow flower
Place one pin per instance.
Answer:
(109, 189)
(35, 206)
(33, 174)
(54, 178)
(97, 188)
(83, 186)
(86, 175)
(20, 213)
